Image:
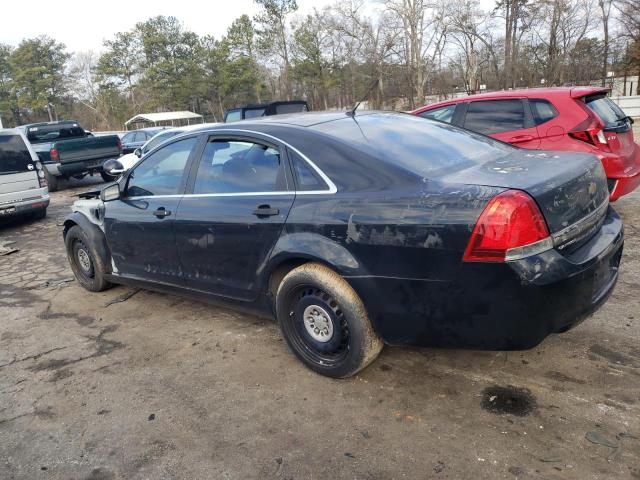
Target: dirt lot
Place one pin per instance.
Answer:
(155, 386)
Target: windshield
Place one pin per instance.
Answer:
(49, 133)
(611, 114)
(14, 156)
(158, 139)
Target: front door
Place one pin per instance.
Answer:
(140, 226)
(233, 214)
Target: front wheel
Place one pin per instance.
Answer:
(87, 264)
(324, 322)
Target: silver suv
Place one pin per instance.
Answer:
(23, 188)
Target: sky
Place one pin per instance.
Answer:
(85, 25)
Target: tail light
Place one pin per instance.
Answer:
(41, 177)
(590, 130)
(53, 153)
(510, 227)
(119, 144)
(594, 136)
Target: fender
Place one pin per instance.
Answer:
(97, 237)
(308, 246)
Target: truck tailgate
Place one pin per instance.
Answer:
(87, 149)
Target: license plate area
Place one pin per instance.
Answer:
(7, 210)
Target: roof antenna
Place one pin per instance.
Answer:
(352, 112)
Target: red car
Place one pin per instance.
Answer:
(579, 119)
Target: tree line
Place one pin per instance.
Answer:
(410, 51)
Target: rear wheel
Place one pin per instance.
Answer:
(324, 322)
(87, 264)
(39, 214)
(52, 181)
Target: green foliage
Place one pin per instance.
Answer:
(32, 77)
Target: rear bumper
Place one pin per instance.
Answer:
(505, 306)
(627, 180)
(25, 206)
(75, 168)
(623, 186)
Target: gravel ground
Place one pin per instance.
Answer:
(156, 386)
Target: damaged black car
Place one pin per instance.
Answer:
(358, 230)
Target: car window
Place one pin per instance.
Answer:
(128, 138)
(307, 179)
(610, 113)
(14, 155)
(139, 137)
(442, 114)
(542, 110)
(161, 172)
(291, 108)
(233, 116)
(239, 167)
(49, 133)
(254, 113)
(495, 116)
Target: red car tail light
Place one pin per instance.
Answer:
(509, 228)
(119, 143)
(595, 136)
(53, 153)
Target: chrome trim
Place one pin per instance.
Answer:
(332, 187)
(518, 253)
(572, 232)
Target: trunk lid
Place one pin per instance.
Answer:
(568, 187)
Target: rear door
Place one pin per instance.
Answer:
(18, 173)
(508, 119)
(140, 225)
(240, 194)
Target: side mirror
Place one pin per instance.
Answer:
(113, 167)
(110, 192)
(137, 152)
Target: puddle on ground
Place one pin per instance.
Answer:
(508, 400)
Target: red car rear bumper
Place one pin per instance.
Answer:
(628, 181)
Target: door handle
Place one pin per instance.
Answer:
(162, 212)
(264, 211)
(521, 138)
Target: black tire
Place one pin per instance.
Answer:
(107, 177)
(52, 181)
(87, 264)
(39, 214)
(324, 322)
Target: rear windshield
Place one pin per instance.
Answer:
(14, 156)
(50, 133)
(425, 147)
(611, 114)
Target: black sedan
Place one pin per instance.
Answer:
(359, 230)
